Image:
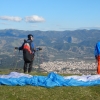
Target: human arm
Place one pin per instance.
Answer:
(34, 49)
(38, 49)
(19, 48)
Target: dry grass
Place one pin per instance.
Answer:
(56, 93)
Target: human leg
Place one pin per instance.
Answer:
(25, 67)
(98, 67)
(30, 66)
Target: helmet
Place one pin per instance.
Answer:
(29, 36)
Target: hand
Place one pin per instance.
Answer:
(16, 47)
(40, 48)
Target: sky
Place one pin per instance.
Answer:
(45, 15)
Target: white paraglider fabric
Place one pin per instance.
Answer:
(51, 80)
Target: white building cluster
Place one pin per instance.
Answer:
(70, 67)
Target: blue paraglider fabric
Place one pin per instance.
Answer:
(51, 80)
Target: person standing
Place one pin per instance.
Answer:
(28, 53)
(97, 56)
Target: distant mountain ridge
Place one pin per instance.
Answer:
(53, 38)
(78, 34)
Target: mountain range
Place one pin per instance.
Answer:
(56, 45)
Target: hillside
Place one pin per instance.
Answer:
(57, 45)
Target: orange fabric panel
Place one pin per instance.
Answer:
(27, 47)
(98, 67)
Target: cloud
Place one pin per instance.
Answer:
(11, 18)
(34, 19)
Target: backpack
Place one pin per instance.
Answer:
(27, 52)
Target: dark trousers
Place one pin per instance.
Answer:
(28, 66)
